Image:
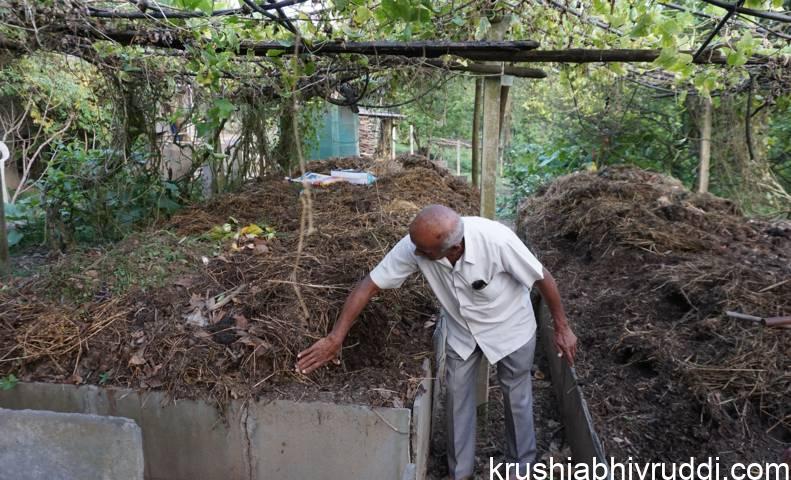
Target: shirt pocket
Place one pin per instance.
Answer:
(488, 293)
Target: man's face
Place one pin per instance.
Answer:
(426, 248)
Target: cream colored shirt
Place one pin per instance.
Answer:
(497, 317)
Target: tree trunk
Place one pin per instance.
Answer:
(285, 154)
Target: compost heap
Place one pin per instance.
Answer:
(262, 300)
(648, 270)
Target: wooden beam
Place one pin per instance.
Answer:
(582, 55)
(416, 49)
(158, 12)
(488, 69)
(776, 16)
(496, 51)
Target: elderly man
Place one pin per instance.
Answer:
(481, 274)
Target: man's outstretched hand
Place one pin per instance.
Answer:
(324, 350)
(566, 343)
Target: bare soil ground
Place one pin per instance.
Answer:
(648, 270)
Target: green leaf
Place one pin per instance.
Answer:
(736, 58)
(617, 68)
(362, 14)
(682, 97)
(667, 58)
(9, 382)
(483, 28)
(746, 44)
(14, 237)
(601, 7)
(644, 22)
(458, 21)
(167, 205)
(669, 27)
(224, 107)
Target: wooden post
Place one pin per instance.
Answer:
(491, 142)
(505, 86)
(458, 157)
(4, 156)
(5, 268)
(476, 132)
(411, 140)
(705, 147)
(393, 137)
(385, 138)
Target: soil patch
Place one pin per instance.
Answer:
(648, 270)
(228, 323)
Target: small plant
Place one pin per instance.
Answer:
(104, 377)
(8, 382)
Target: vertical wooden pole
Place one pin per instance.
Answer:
(705, 147)
(385, 138)
(393, 137)
(491, 142)
(458, 157)
(476, 132)
(411, 140)
(507, 80)
(5, 268)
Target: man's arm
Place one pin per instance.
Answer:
(329, 347)
(565, 340)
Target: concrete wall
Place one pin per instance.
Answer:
(189, 440)
(41, 445)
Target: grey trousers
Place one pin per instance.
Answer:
(514, 375)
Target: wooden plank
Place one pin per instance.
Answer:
(580, 432)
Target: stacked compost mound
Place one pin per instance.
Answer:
(231, 325)
(648, 271)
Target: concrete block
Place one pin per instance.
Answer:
(297, 441)
(41, 445)
(182, 440)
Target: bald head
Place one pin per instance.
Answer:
(435, 230)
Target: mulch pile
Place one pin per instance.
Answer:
(261, 304)
(648, 270)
